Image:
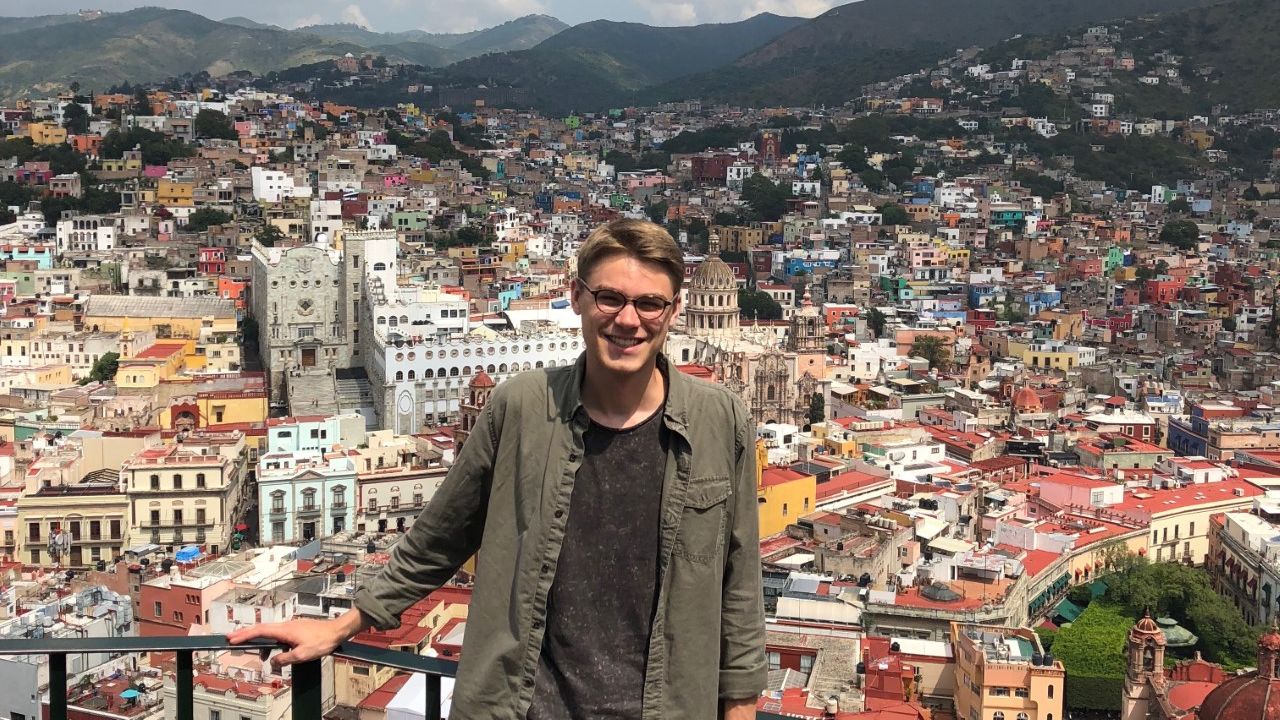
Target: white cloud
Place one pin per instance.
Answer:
(353, 14)
(672, 13)
(306, 20)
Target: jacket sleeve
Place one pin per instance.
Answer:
(446, 533)
(743, 671)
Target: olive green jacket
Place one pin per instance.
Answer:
(507, 497)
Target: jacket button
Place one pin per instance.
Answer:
(573, 457)
(537, 624)
(546, 569)
(528, 682)
(559, 513)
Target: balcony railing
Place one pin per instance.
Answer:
(308, 698)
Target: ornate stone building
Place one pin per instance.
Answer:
(712, 307)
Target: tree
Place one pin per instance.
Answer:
(933, 349)
(658, 211)
(201, 219)
(894, 214)
(141, 103)
(1181, 234)
(213, 124)
(1179, 205)
(767, 200)
(269, 235)
(75, 118)
(758, 305)
(876, 321)
(1144, 273)
(817, 408)
(105, 367)
(1251, 193)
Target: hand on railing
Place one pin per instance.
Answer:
(308, 639)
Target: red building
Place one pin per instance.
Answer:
(1161, 291)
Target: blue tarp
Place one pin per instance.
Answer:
(190, 553)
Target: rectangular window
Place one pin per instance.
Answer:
(95, 530)
(177, 481)
(33, 532)
(155, 482)
(359, 670)
(216, 714)
(155, 517)
(35, 556)
(158, 609)
(395, 502)
(199, 516)
(373, 504)
(177, 518)
(115, 529)
(277, 531)
(1191, 530)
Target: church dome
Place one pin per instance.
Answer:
(1026, 400)
(713, 274)
(1252, 696)
(1246, 697)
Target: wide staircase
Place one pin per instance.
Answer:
(311, 392)
(354, 392)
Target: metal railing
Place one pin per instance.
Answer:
(308, 697)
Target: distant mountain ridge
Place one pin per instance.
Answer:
(830, 57)
(47, 53)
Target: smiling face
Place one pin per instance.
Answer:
(624, 343)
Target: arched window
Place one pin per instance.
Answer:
(538, 364)
(491, 369)
(382, 319)
(1023, 716)
(428, 373)
(453, 371)
(404, 319)
(502, 368)
(393, 322)
(997, 715)
(399, 375)
(413, 375)
(377, 267)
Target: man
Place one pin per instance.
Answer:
(612, 505)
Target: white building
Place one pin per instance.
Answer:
(86, 233)
(276, 186)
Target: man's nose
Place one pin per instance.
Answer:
(627, 316)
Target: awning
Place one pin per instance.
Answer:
(951, 546)
(930, 528)
(1068, 611)
(795, 560)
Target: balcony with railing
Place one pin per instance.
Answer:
(306, 684)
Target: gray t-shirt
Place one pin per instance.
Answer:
(601, 605)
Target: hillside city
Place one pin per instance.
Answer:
(1010, 342)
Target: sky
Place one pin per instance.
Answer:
(445, 15)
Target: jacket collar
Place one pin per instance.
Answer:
(565, 398)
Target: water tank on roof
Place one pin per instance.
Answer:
(1037, 659)
(371, 547)
(166, 564)
(895, 646)
(100, 566)
(144, 562)
(342, 577)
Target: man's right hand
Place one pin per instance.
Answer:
(307, 639)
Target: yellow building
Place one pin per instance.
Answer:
(213, 402)
(162, 361)
(782, 495)
(167, 317)
(1001, 675)
(175, 194)
(47, 133)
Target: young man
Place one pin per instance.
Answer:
(612, 505)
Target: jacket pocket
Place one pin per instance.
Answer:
(701, 535)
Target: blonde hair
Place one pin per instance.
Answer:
(640, 239)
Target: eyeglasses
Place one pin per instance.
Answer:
(611, 302)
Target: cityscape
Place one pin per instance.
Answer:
(999, 295)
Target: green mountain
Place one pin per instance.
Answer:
(603, 63)
(245, 22)
(144, 45)
(829, 58)
(436, 49)
(11, 25)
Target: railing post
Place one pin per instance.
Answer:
(433, 696)
(183, 685)
(307, 694)
(57, 686)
